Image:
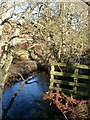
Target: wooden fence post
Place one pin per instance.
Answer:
(52, 76)
(75, 80)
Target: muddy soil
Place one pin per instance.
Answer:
(20, 70)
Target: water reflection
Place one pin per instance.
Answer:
(28, 104)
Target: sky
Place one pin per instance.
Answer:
(18, 9)
(51, 0)
(57, 0)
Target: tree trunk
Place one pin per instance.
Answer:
(1, 28)
(88, 27)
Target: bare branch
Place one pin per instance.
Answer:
(87, 2)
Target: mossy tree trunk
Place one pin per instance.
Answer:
(1, 27)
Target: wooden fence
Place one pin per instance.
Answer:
(71, 79)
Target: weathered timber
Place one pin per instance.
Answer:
(83, 85)
(75, 86)
(65, 65)
(70, 92)
(52, 76)
(75, 80)
(69, 75)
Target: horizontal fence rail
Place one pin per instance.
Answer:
(71, 79)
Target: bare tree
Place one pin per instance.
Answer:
(42, 32)
(53, 27)
(88, 3)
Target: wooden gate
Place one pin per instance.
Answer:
(70, 79)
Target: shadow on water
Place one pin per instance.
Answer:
(27, 103)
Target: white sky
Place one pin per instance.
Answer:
(51, 0)
(55, 0)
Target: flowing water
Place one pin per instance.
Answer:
(27, 103)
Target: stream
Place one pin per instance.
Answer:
(28, 103)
